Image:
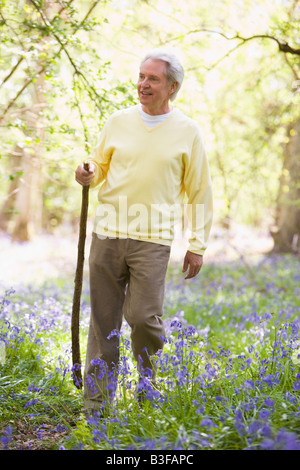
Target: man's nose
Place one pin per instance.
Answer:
(145, 82)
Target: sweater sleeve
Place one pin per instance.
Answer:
(100, 157)
(198, 188)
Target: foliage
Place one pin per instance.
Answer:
(239, 85)
(242, 70)
(228, 377)
(49, 43)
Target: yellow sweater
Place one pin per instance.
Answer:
(145, 174)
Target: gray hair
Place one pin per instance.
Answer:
(175, 71)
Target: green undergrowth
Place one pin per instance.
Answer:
(228, 376)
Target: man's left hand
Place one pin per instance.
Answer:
(193, 262)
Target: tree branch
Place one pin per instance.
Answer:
(283, 46)
(43, 68)
(63, 47)
(32, 47)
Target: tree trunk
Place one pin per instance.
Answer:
(286, 233)
(29, 201)
(8, 207)
(28, 205)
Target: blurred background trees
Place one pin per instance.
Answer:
(66, 65)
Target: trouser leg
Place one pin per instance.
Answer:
(143, 307)
(108, 279)
(115, 264)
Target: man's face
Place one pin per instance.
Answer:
(153, 88)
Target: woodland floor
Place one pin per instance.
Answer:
(54, 256)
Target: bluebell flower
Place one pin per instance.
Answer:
(248, 384)
(114, 333)
(207, 422)
(268, 402)
(254, 427)
(264, 414)
(296, 387)
(31, 403)
(7, 437)
(283, 441)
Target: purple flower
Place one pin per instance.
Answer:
(283, 441)
(269, 402)
(266, 430)
(249, 384)
(114, 333)
(248, 361)
(30, 403)
(207, 422)
(269, 380)
(296, 387)
(254, 427)
(264, 414)
(7, 436)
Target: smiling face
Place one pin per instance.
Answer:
(154, 90)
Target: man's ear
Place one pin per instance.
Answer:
(173, 87)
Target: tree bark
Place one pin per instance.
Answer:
(76, 372)
(28, 205)
(8, 207)
(286, 232)
(29, 200)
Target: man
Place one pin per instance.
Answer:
(147, 158)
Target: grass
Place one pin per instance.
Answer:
(228, 377)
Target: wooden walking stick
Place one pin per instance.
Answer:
(76, 370)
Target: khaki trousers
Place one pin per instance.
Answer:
(127, 277)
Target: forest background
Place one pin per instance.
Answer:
(67, 65)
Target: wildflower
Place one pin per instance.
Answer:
(220, 399)
(254, 427)
(269, 380)
(30, 403)
(268, 402)
(247, 363)
(291, 398)
(248, 384)
(295, 328)
(239, 422)
(268, 316)
(207, 422)
(7, 437)
(283, 441)
(264, 414)
(247, 406)
(93, 420)
(97, 435)
(296, 387)
(91, 384)
(266, 430)
(114, 333)
(33, 388)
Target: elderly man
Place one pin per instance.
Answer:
(147, 158)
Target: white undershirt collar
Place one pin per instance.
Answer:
(152, 121)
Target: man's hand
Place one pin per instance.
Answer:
(193, 262)
(83, 176)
